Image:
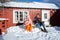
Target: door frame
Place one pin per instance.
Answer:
(46, 21)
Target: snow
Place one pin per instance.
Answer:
(31, 5)
(19, 33)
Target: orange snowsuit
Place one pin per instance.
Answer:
(28, 24)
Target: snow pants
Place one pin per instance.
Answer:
(29, 28)
(40, 24)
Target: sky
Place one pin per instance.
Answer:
(57, 2)
(30, 0)
(39, 0)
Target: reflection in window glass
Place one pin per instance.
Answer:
(21, 19)
(16, 14)
(25, 12)
(21, 13)
(45, 15)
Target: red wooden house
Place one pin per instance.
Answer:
(15, 12)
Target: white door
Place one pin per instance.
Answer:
(46, 16)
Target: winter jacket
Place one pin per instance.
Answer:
(28, 21)
(36, 20)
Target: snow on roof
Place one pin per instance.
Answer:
(31, 5)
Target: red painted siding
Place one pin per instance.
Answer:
(55, 18)
(8, 13)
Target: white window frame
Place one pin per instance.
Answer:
(14, 18)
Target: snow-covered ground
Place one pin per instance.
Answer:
(19, 33)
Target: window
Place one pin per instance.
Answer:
(16, 14)
(45, 15)
(26, 14)
(19, 16)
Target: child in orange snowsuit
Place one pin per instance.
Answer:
(28, 24)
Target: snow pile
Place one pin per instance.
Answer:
(19, 33)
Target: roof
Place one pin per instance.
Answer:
(31, 5)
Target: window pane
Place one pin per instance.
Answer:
(21, 19)
(26, 16)
(16, 15)
(21, 13)
(25, 12)
(16, 12)
(45, 15)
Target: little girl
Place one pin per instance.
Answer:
(28, 24)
